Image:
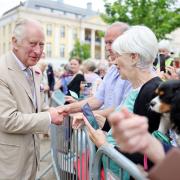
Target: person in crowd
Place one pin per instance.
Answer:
(131, 133)
(136, 50)
(112, 89)
(23, 115)
(50, 77)
(163, 58)
(90, 76)
(77, 78)
(65, 78)
(71, 80)
(102, 69)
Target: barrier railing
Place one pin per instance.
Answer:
(72, 152)
(124, 164)
(74, 155)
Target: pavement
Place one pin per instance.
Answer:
(44, 147)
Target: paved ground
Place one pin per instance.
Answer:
(45, 146)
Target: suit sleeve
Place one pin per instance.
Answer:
(14, 121)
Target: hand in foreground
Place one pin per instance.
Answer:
(56, 117)
(70, 99)
(97, 136)
(78, 121)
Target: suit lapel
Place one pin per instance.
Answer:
(37, 79)
(19, 75)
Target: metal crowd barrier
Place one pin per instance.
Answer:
(125, 165)
(72, 152)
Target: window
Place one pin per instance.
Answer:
(62, 31)
(48, 49)
(49, 30)
(62, 50)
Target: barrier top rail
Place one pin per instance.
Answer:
(119, 159)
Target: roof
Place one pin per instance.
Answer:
(56, 5)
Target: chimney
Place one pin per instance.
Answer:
(89, 6)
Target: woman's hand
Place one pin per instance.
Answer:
(97, 136)
(78, 121)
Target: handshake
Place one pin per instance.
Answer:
(57, 114)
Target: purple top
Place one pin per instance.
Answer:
(112, 89)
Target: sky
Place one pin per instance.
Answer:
(96, 4)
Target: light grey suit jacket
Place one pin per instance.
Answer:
(19, 124)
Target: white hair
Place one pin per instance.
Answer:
(141, 40)
(164, 44)
(19, 31)
(89, 65)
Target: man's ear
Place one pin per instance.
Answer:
(14, 43)
(134, 58)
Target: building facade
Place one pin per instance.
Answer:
(63, 25)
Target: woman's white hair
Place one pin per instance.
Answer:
(19, 31)
(141, 40)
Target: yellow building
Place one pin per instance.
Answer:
(63, 24)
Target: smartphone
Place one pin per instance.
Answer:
(86, 109)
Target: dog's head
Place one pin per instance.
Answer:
(166, 94)
(168, 100)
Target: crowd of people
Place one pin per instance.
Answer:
(119, 93)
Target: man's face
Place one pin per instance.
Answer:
(30, 48)
(111, 34)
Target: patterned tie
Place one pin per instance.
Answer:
(29, 76)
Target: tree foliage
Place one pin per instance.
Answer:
(80, 50)
(162, 16)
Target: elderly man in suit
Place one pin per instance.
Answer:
(22, 112)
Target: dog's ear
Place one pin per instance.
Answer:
(175, 111)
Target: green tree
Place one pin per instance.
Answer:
(80, 50)
(162, 16)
